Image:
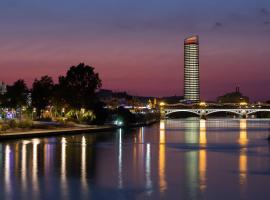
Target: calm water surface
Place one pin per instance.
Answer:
(175, 159)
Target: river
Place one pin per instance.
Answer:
(174, 159)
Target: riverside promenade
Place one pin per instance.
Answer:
(55, 132)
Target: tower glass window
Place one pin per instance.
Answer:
(191, 69)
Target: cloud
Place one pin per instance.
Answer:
(267, 22)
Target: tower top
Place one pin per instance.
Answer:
(192, 40)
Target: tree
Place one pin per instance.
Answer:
(78, 87)
(42, 93)
(16, 95)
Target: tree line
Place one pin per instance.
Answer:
(73, 96)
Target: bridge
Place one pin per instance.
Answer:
(203, 112)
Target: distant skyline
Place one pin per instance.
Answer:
(137, 46)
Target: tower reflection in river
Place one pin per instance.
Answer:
(202, 155)
(196, 159)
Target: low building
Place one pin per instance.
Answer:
(233, 97)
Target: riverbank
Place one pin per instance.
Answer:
(76, 129)
(145, 123)
(55, 132)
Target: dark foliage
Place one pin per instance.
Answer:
(42, 92)
(100, 112)
(16, 95)
(78, 87)
(125, 115)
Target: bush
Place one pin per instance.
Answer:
(25, 124)
(12, 123)
(4, 127)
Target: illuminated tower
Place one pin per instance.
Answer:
(191, 69)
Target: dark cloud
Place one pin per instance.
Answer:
(267, 22)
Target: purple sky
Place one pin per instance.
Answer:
(137, 46)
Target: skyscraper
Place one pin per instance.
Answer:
(191, 69)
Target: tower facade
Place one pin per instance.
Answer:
(191, 69)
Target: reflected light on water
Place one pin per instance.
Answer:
(7, 170)
(83, 165)
(162, 125)
(120, 176)
(23, 165)
(35, 186)
(202, 156)
(203, 140)
(191, 173)
(148, 168)
(141, 147)
(162, 157)
(63, 178)
(243, 140)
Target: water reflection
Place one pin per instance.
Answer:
(191, 157)
(202, 156)
(83, 165)
(7, 170)
(120, 175)
(63, 175)
(148, 169)
(35, 183)
(196, 160)
(186, 162)
(243, 140)
(23, 165)
(162, 157)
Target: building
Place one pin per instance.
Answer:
(3, 88)
(233, 97)
(191, 69)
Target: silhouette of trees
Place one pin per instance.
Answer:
(74, 95)
(77, 89)
(16, 95)
(42, 93)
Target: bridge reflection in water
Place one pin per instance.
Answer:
(196, 160)
(182, 154)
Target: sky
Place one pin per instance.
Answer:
(137, 46)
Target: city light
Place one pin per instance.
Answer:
(162, 104)
(203, 104)
(243, 103)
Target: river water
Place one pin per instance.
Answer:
(173, 159)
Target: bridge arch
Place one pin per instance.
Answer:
(167, 113)
(224, 111)
(256, 111)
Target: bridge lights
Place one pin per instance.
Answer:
(162, 104)
(202, 104)
(243, 103)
